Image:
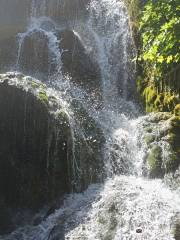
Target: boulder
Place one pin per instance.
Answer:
(161, 134)
(77, 62)
(43, 154)
(34, 144)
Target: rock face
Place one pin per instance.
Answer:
(8, 53)
(88, 145)
(162, 137)
(35, 145)
(14, 19)
(77, 62)
(37, 59)
(19, 12)
(41, 158)
(177, 231)
(34, 56)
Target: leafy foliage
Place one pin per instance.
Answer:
(159, 54)
(160, 28)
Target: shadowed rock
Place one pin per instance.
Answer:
(8, 53)
(14, 14)
(37, 150)
(35, 146)
(77, 61)
(34, 56)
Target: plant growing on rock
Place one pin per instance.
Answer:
(159, 57)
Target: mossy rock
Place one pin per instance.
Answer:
(43, 97)
(159, 116)
(154, 161)
(177, 231)
(148, 129)
(34, 84)
(175, 122)
(149, 139)
(155, 101)
(150, 96)
(170, 101)
(164, 127)
(177, 110)
(172, 163)
(35, 148)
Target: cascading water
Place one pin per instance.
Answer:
(126, 206)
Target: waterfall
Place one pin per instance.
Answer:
(126, 205)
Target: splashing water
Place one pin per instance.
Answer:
(126, 206)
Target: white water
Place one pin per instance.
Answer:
(126, 202)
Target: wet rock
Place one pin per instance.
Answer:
(6, 224)
(8, 53)
(154, 160)
(88, 149)
(77, 61)
(34, 56)
(13, 17)
(40, 158)
(66, 10)
(162, 142)
(14, 14)
(177, 231)
(34, 145)
(177, 110)
(57, 233)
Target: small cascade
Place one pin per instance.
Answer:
(108, 24)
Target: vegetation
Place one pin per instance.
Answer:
(133, 7)
(156, 29)
(43, 97)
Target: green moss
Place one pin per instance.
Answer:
(175, 122)
(171, 137)
(174, 140)
(148, 129)
(34, 84)
(177, 231)
(154, 160)
(177, 110)
(170, 101)
(172, 163)
(133, 7)
(63, 117)
(155, 102)
(149, 138)
(149, 94)
(43, 97)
